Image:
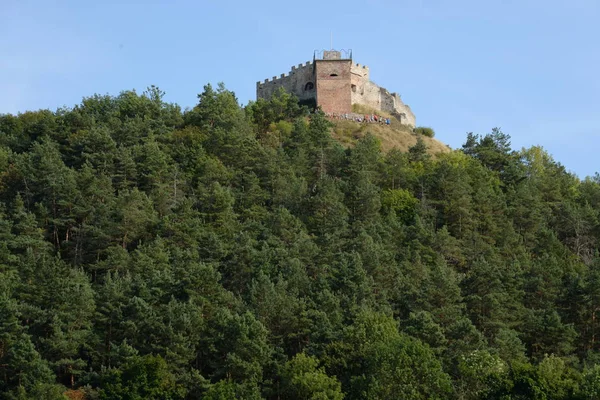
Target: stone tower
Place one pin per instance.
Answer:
(335, 83)
(332, 76)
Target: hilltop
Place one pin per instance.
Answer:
(396, 135)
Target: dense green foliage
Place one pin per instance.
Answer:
(227, 252)
(424, 130)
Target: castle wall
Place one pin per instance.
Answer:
(406, 115)
(360, 72)
(333, 85)
(369, 94)
(294, 82)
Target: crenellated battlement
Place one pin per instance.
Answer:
(293, 70)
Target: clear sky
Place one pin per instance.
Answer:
(530, 67)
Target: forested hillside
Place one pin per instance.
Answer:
(240, 252)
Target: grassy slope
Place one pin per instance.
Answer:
(394, 135)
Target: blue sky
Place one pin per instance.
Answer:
(530, 67)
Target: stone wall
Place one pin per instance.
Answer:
(360, 72)
(332, 55)
(333, 85)
(369, 94)
(401, 110)
(300, 81)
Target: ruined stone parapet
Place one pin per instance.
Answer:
(403, 111)
(360, 71)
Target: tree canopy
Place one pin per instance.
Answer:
(229, 252)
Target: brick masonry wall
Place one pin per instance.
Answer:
(333, 85)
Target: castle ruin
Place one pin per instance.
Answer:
(335, 83)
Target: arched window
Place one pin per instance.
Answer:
(333, 75)
(309, 86)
